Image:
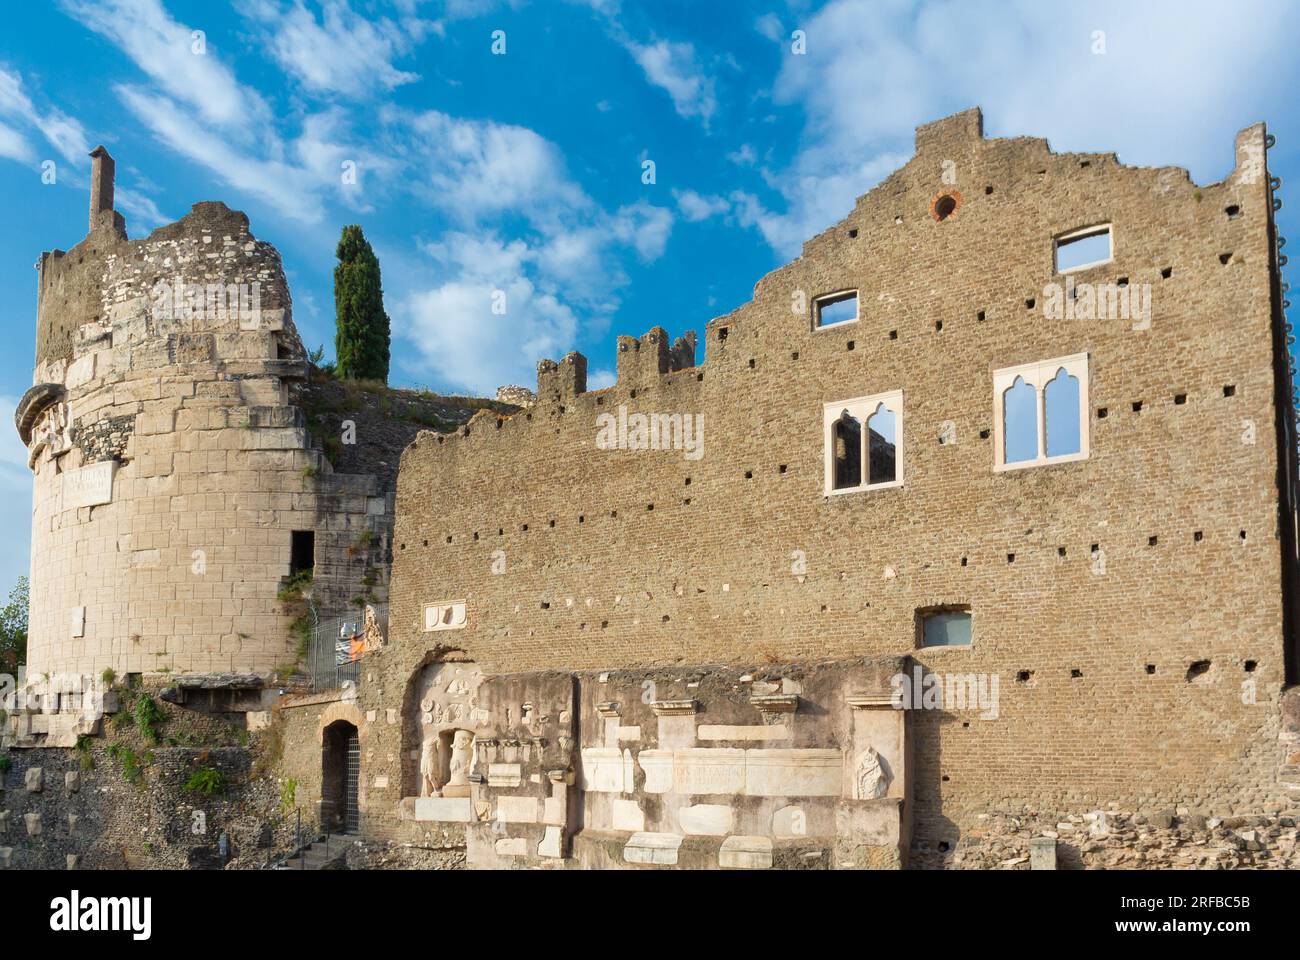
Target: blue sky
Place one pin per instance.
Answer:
(523, 172)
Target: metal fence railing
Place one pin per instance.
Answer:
(334, 655)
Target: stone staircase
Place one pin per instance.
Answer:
(327, 853)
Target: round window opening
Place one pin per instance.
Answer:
(945, 205)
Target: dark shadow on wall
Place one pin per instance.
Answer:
(934, 835)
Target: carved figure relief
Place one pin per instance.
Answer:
(429, 766)
(462, 758)
(372, 636)
(870, 779)
(52, 430)
(446, 706)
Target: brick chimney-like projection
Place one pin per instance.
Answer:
(101, 189)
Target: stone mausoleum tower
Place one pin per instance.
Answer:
(176, 485)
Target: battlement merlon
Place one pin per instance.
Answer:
(564, 380)
(645, 359)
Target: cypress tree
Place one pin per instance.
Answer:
(361, 342)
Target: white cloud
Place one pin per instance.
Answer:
(875, 69)
(675, 68)
(548, 280)
(139, 209)
(14, 146)
(769, 25)
(169, 53)
(813, 200)
(744, 157)
(645, 227)
(469, 346)
(343, 52)
(672, 66)
(478, 168)
(292, 178)
(61, 131)
(600, 379)
(280, 185)
(563, 259)
(696, 207)
(607, 7)
(469, 9)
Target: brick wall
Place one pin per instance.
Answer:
(571, 557)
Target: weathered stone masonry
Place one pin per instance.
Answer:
(172, 456)
(1135, 604)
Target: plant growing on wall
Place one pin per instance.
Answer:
(295, 594)
(132, 763)
(147, 717)
(361, 342)
(207, 781)
(13, 626)
(84, 755)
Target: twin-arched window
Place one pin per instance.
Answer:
(864, 442)
(1041, 413)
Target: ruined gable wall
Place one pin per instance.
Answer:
(600, 580)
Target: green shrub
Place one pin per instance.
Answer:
(84, 756)
(207, 781)
(294, 587)
(132, 763)
(147, 717)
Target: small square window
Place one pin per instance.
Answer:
(944, 627)
(835, 309)
(1080, 249)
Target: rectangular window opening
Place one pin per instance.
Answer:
(944, 626)
(1084, 248)
(302, 551)
(835, 309)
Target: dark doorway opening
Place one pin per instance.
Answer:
(340, 778)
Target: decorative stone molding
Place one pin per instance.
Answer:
(608, 709)
(34, 402)
(447, 615)
(864, 701)
(674, 708)
(775, 703)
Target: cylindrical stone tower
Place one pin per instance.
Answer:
(176, 487)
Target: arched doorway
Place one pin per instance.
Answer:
(340, 778)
